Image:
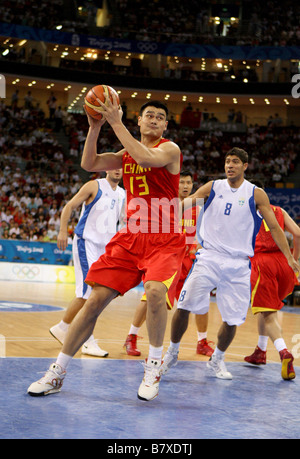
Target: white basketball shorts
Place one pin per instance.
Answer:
(230, 276)
(85, 253)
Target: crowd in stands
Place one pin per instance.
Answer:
(180, 72)
(37, 177)
(42, 15)
(176, 22)
(260, 23)
(267, 23)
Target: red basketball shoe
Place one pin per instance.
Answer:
(130, 345)
(258, 357)
(287, 369)
(204, 348)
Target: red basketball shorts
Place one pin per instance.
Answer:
(130, 258)
(178, 281)
(272, 280)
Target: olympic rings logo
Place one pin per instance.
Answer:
(146, 47)
(26, 272)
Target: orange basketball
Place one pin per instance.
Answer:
(99, 92)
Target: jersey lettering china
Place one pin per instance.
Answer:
(152, 197)
(188, 224)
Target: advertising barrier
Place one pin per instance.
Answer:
(34, 252)
(150, 47)
(29, 272)
(288, 199)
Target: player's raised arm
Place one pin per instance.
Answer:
(91, 161)
(153, 122)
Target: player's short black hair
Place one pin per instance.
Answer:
(239, 152)
(156, 104)
(186, 173)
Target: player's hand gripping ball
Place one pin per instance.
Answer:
(92, 106)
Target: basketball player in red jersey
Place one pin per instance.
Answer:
(188, 225)
(272, 280)
(150, 248)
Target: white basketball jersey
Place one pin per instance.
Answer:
(228, 222)
(99, 220)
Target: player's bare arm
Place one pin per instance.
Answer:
(166, 155)
(85, 194)
(152, 126)
(263, 205)
(91, 161)
(291, 226)
(202, 193)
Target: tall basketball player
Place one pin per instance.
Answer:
(150, 248)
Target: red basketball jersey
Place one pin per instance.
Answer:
(152, 197)
(188, 224)
(264, 241)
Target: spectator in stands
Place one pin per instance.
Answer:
(51, 102)
(55, 220)
(276, 146)
(52, 232)
(28, 101)
(14, 229)
(15, 99)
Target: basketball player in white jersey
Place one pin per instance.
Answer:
(226, 229)
(102, 203)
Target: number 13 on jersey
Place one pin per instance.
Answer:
(138, 185)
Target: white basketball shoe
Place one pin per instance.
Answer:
(91, 347)
(148, 389)
(50, 383)
(169, 360)
(217, 366)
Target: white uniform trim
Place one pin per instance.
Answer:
(98, 223)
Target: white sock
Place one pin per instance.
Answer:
(174, 346)
(63, 325)
(155, 353)
(279, 344)
(134, 330)
(201, 335)
(263, 342)
(63, 360)
(219, 353)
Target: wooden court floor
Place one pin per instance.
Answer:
(27, 333)
(98, 398)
